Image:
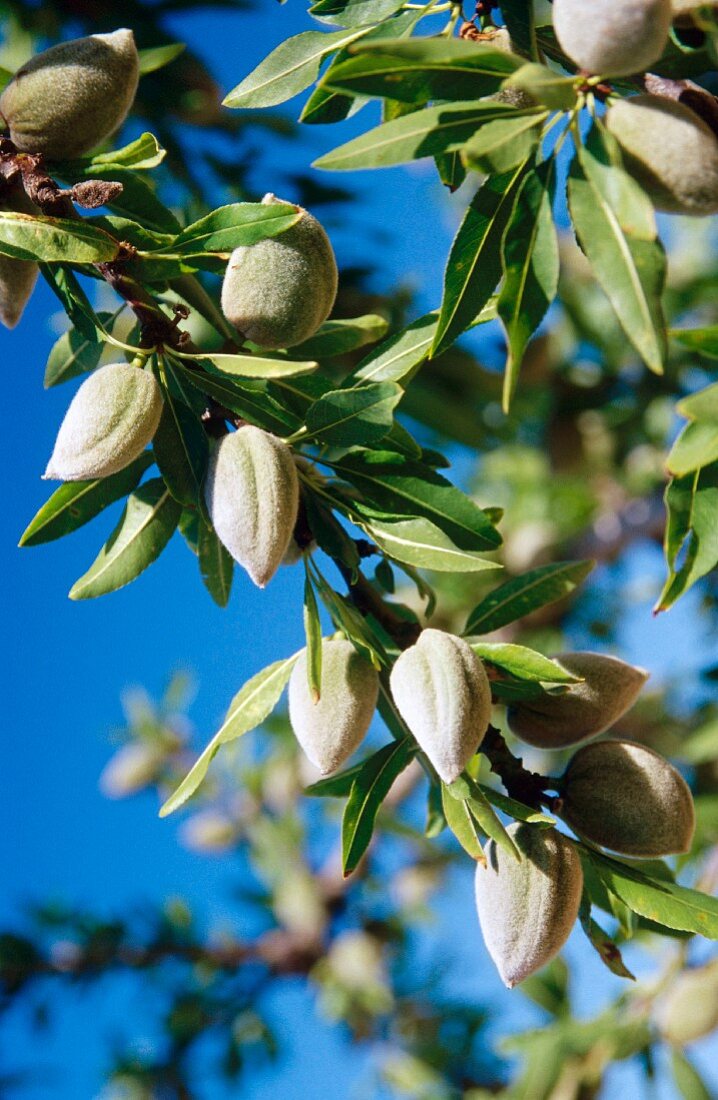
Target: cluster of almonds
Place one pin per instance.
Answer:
(667, 147)
(616, 794)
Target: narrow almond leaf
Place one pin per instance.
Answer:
(420, 134)
(77, 502)
(235, 225)
(691, 538)
(468, 790)
(462, 824)
(360, 415)
(501, 145)
(253, 366)
(181, 450)
(474, 265)
(700, 406)
(660, 901)
(369, 789)
(335, 786)
(146, 526)
(313, 635)
(518, 810)
(704, 340)
(629, 267)
(531, 268)
(342, 336)
(689, 1082)
(522, 662)
(288, 69)
(354, 13)
(696, 446)
(156, 57)
(144, 152)
(601, 942)
(249, 708)
(537, 588)
(54, 240)
(216, 565)
(421, 543)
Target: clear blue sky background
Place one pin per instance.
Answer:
(65, 665)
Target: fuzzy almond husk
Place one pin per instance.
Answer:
(615, 38)
(443, 694)
(330, 729)
(626, 797)
(252, 495)
(278, 291)
(608, 689)
(110, 421)
(17, 277)
(65, 101)
(689, 1009)
(528, 908)
(670, 150)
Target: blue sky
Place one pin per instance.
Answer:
(66, 663)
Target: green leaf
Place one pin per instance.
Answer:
(703, 340)
(350, 416)
(522, 662)
(537, 588)
(77, 502)
(146, 526)
(144, 152)
(405, 488)
(474, 265)
(75, 302)
(335, 786)
(421, 543)
(249, 708)
(313, 635)
(700, 406)
(72, 354)
(531, 268)
(518, 810)
(691, 532)
(156, 57)
(181, 450)
(696, 446)
(520, 20)
(469, 791)
(417, 70)
(248, 399)
(354, 13)
(234, 226)
(660, 901)
(329, 533)
(424, 133)
(630, 268)
(463, 824)
(369, 789)
(400, 355)
(216, 565)
(501, 145)
(253, 366)
(342, 336)
(554, 91)
(689, 1082)
(54, 240)
(288, 69)
(603, 944)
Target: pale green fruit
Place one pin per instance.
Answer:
(132, 768)
(613, 38)
(252, 495)
(670, 150)
(210, 832)
(17, 277)
(279, 291)
(330, 729)
(110, 421)
(65, 101)
(443, 694)
(608, 688)
(627, 798)
(528, 908)
(689, 1009)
